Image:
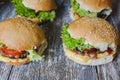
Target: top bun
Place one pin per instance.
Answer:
(96, 31)
(43, 5)
(20, 34)
(95, 5)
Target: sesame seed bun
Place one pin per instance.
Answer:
(40, 5)
(15, 62)
(103, 58)
(95, 5)
(97, 32)
(21, 34)
(103, 8)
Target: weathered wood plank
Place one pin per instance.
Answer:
(6, 10)
(4, 71)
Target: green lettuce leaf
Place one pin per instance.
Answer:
(1, 44)
(26, 12)
(34, 56)
(72, 43)
(80, 11)
(22, 10)
(45, 16)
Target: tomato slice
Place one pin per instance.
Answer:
(10, 51)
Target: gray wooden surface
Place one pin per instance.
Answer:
(55, 66)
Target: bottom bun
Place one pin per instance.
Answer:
(14, 61)
(18, 62)
(102, 58)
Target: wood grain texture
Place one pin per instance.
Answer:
(4, 71)
(6, 10)
(55, 65)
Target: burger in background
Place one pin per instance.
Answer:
(90, 41)
(90, 8)
(36, 10)
(21, 41)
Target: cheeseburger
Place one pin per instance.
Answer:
(21, 41)
(90, 41)
(36, 10)
(91, 8)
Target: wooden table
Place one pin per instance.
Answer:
(55, 65)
